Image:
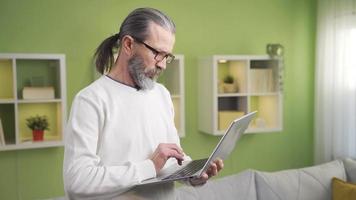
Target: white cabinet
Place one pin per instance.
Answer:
(33, 71)
(173, 79)
(256, 86)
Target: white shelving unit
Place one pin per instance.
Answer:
(173, 79)
(16, 72)
(256, 86)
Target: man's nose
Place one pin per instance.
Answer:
(162, 64)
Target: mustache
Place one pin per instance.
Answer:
(155, 72)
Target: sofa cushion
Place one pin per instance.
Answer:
(343, 190)
(239, 186)
(311, 183)
(350, 168)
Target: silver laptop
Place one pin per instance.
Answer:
(196, 168)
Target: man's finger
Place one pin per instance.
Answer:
(199, 180)
(180, 162)
(175, 154)
(219, 164)
(213, 172)
(175, 147)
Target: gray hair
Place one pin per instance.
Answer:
(136, 25)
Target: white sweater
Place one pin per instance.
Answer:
(111, 132)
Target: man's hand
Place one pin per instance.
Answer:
(213, 170)
(165, 151)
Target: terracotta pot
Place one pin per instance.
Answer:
(37, 135)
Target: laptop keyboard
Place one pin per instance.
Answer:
(188, 170)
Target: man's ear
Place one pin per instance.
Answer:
(127, 45)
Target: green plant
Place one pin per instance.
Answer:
(38, 122)
(229, 79)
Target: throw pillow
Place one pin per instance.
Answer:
(343, 190)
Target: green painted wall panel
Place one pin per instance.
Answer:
(8, 174)
(75, 28)
(39, 173)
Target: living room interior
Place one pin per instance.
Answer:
(204, 29)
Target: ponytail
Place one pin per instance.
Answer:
(136, 25)
(104, 58)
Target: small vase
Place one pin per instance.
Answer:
(230, 88)
(37, 135)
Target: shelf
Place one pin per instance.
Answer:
(46, 74)
(40, 71)
(31, 145)
(7, 101)
(237, 69)
(232, 95)
(265, 94)
(51, 110)
(173, 79)
(171, 76)
(177, 115)
(39, 101)
(253, 85)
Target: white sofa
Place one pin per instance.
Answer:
(311, 183)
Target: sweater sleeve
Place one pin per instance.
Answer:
(84, 174)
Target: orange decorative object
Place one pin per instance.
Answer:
(38, 135)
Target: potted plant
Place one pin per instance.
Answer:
(38, 124)
(229, 85)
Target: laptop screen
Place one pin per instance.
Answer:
(228, 141)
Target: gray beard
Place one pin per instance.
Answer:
(139, 73)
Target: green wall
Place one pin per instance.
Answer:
(75, 28)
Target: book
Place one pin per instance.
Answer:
(261, 80)
(2, 138)
(38, 93)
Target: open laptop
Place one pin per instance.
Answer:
(196, 168)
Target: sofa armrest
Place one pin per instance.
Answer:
(350, 168)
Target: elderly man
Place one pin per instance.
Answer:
(121, 128)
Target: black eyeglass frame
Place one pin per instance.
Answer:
(164, 55)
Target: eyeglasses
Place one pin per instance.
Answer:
(159, 55)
